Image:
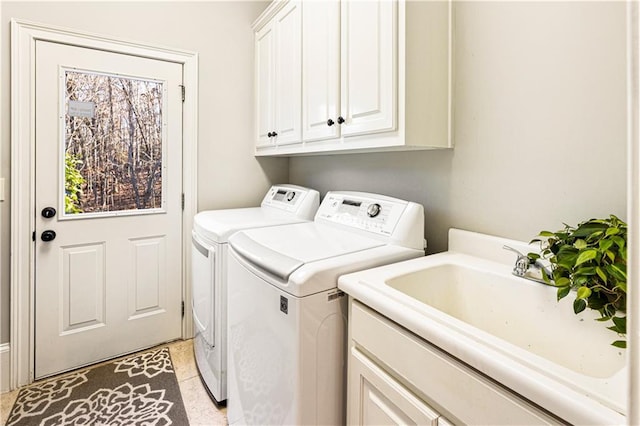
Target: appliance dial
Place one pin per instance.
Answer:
(290, 195)
(373, 210)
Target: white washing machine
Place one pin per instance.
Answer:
(282, 204)
(286, 317)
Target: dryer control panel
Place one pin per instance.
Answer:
(292, 198)
(373, 214)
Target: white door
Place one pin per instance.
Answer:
(369, 66)
(108, 160)
(320, 70)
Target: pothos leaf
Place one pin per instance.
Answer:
(563, 292)
(605, 245)
(579, 305)
(546, 234)
(580, 244)
(584, 293)
(622, 285)
(620, 324)
(612, 231)
(601, 274)
(586, 256)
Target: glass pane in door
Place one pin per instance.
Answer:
(113, 144)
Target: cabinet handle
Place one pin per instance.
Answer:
(340, 120)
(330, 122)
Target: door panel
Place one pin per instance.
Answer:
(288, 80)
(264, 80)
(369, 66)
(109, 158)
(83, 281)
(320, 69)
(148, 283)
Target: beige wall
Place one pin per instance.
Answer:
(539, 126)
(228, 174)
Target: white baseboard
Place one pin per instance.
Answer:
(5, 364)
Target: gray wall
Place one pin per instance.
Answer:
(540, 126)
(228, 174)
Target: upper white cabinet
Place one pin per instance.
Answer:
(320, 70)
(358, 76)
(369, 63)
(278, 78)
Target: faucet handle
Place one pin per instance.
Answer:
(522, 262)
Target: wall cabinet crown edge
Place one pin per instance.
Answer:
(344, 76)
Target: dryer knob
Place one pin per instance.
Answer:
(373, 210)
(290, 195)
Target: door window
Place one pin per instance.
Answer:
(114, 144)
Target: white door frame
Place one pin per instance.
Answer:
(24, 35)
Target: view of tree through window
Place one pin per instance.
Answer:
(113, 143)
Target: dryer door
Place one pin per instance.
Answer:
(202, 284)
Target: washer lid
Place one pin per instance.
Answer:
(282, 250)
(217, 225)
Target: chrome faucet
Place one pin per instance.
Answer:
(524, 264)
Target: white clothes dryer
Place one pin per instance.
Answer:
(283, 204)
(286, 317)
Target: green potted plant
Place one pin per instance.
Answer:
(591, 259)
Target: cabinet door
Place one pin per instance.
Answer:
(369, 66)
(375, 398)
(264, 82)
(288, 81)
(320, 70)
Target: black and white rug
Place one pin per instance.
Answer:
(141, 389)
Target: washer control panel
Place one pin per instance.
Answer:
(285, 197)
(378, 215)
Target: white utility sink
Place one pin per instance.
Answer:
(467, 302)
(521, 312)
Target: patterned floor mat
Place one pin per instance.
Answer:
(138, 390)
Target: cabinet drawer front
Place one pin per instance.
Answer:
(455, 389)
(380, 400)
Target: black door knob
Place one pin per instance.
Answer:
(340, 120)
(330, 122)
(48, 212)
(48, 235)
(274, 134)
(270, 134)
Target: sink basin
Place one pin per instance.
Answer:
(467, 303)
(520, 312)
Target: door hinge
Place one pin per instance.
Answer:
(183, 201)
(183, 90)
(183, 309)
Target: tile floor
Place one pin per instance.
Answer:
(200, 408)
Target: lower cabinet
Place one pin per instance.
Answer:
(380, 399)
(395, 377)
